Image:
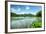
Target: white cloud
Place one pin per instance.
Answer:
(21, 13)
(18, 9)
(34, 13)
(13, 10)
(27, 7)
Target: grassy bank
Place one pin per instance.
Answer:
(36, 24)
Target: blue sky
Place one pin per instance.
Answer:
(25, 9)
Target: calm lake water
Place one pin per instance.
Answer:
(22, 22)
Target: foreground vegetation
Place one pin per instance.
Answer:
(36, 24)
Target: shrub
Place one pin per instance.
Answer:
(36, 24)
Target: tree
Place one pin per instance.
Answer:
(13, 14)
(39, 14)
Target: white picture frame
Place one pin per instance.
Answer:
(7, 23)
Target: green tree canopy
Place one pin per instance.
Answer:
(39, 14)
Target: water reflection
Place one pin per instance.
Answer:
(23, 22)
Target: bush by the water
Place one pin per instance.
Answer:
(36, 24)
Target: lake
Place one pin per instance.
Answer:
(23, 22)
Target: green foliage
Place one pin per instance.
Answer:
(39, 14)
(13, 14)
(20, 15)
(36, 24)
